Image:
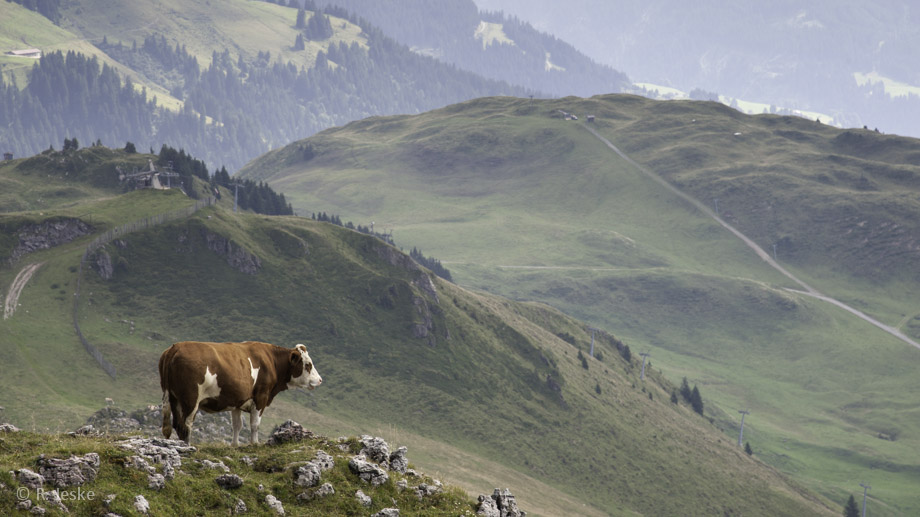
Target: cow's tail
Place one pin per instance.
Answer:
(167, 416)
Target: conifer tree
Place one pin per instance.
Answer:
(696, 401)
(685, 390)
(301, 19)
(851, 510)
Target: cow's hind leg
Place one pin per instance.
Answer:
(183, 415)
(167, 416)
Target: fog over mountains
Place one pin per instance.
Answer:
(853, 61)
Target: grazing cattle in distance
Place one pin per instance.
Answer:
(234, 377)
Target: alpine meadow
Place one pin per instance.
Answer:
(518, 201)
(530, 284)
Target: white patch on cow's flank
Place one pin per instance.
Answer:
(208, 388)
(254, 372)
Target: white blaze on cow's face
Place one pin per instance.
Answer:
(310, 377)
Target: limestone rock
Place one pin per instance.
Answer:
(307, 475)
(387, 512)
(141, 504)
(102, 263)
(158, 450)
(74, 471)
(500, 504)
(30, 479)
(48, 234)
(156, 481)
(363, 498)
(238, 258)
(315, 493)
(368, 471)
(240, 507)
(376, 449)
(424, 490)
(274, 504)
(324, 461)
(229, 481)
(288, 432)
(398, 460)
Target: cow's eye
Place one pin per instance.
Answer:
(309, 367)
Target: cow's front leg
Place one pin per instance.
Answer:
(254, 419)
(237, 416)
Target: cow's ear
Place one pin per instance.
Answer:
(296, 358)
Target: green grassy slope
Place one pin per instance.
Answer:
(490, 377)
(245, 28)
(515, 200)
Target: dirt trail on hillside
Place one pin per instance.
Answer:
(12, 297)
(808, 290)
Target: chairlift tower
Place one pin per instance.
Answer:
(645, 356)
(741, 433)
(866, 488)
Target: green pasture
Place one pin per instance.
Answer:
(516, 201)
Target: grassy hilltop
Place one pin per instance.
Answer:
(517, 201)
(485, 391)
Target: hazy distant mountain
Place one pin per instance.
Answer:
(853, 60)
(223, 91)
(490, 44)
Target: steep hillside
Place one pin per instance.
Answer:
(516, 200)
(508, 383)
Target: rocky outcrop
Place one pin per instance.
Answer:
(274, 504)
(162, 461)
(74, 471)
(500, 504)
(368, 471)
(102, 264)
(229, 481)
(47, 234)
(420, 279)
(376, 449)
(289, 431)
(398, 460)
(158, 450)
(238, 258)
(8, 428)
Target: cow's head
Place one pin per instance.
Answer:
(303, 371)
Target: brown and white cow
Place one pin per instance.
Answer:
(234, 377)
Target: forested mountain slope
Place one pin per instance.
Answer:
(490, 44)
(226, 84)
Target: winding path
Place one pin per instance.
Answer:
(12, 297)
(807, 289)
